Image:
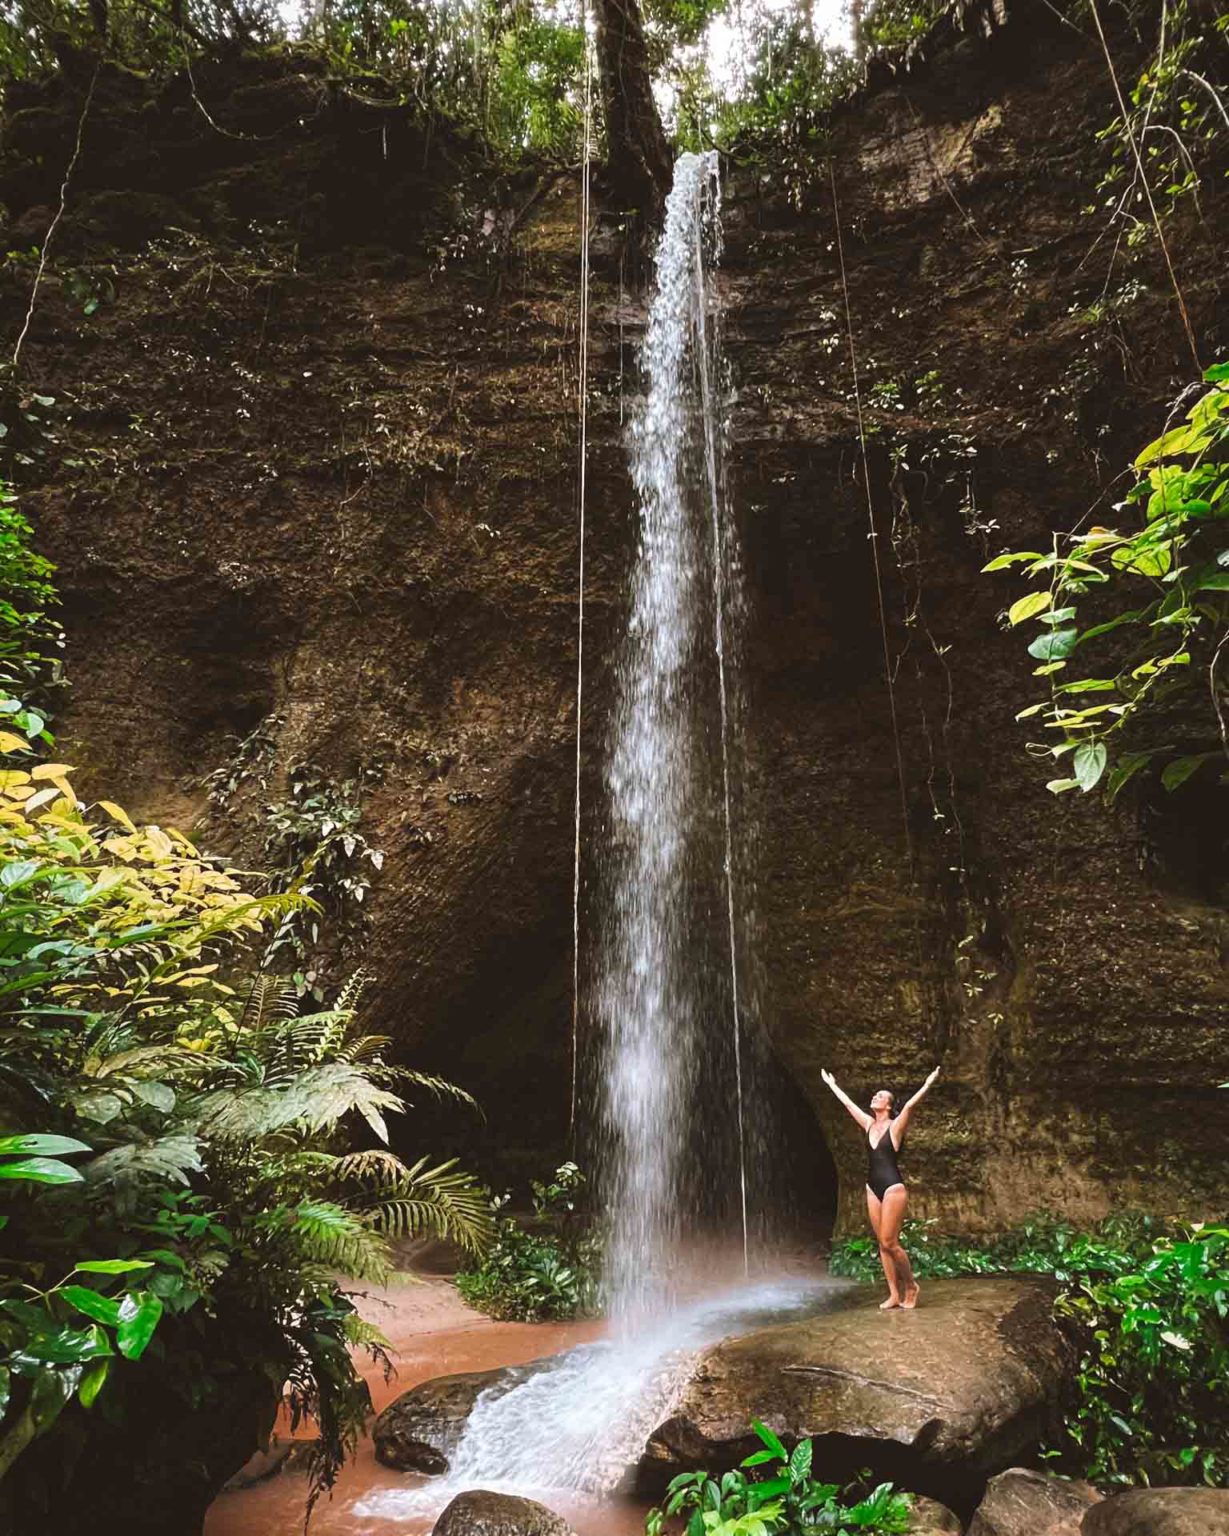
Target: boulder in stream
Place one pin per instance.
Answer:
(478, 1512)
(1160, 1512)
(939, 1399)
(1021, 1502)
(419, 1431)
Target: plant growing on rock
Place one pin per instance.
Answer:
(313, 839)
(30, 638)
(1171, 581)
(1153, 1376)
(774, 1490)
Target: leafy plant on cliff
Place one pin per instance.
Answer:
(774, 1491)
(1163, 617)
(545, 1268)
(1152, 1403)
(313, 840)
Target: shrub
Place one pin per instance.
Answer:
(779, 1496)
(546, 1269)
(198, 1234)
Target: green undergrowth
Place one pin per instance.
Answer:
(189, 1159)
(542, 1267)
(1147, 1306)
(775, 1493)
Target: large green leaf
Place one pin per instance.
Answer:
(1088, 764)
(103, 1309)
(50, 1146)
(138, 1317)
(40, 1170)
(1054, 645)
(1029, 606)
(111, 1266)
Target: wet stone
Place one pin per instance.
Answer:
(1160, 1512)
(482, 1513)
(420, 1430)
(1021, 1502)
(939, 1399)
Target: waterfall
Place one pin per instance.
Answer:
(671, 994)
(671, 1114)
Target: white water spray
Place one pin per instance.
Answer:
(672, 1131)
(670, 1088)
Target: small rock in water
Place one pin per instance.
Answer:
(1160, 1512)
(1020, 1502)
(481, 1513)
(420, 1430)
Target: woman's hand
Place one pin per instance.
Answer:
(930, 1080)
(828, 1078)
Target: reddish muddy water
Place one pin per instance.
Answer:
(432, 1333)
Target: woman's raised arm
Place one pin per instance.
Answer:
(901, 1123)
(860, 1115)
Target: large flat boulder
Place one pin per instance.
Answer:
(1160, 1512)
(939, 1399)
(1021, 1502)
(478, 1512)
(419, 1431)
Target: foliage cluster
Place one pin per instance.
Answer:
(1149, 1309)
(542, 1269)
(1169, 626)
(173, 1132)
(316, 848)
(30, 637)
(775, 1493)
(1175, 115)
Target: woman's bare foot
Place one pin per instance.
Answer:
(911, 1296)
(891, 1303)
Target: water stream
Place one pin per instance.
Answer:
(676, 1117)
(671, 1111)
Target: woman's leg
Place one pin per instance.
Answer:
(891, 1219)
(874, 1210)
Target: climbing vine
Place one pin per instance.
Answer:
(1165, 632)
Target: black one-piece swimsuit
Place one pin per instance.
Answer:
(884, 1171)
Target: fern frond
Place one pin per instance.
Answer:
(341, 1241)
(352, 991)
(375, 1166)
(440, 1201)
(315, 1100)
(440, 1087)
(168, 1158)
(361, 1334)
(270, 998)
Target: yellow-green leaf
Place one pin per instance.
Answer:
(1029, 606)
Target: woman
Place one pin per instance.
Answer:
(886, 1196)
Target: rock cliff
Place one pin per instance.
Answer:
(313, 491)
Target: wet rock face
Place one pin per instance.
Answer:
(1160, 1512)
(419, 1431)
(1021, 1502)
(481, 1513)
(939, 1399)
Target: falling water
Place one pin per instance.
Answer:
(673, 1135)
(671, 1105)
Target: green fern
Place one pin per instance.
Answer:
(340, 1241)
